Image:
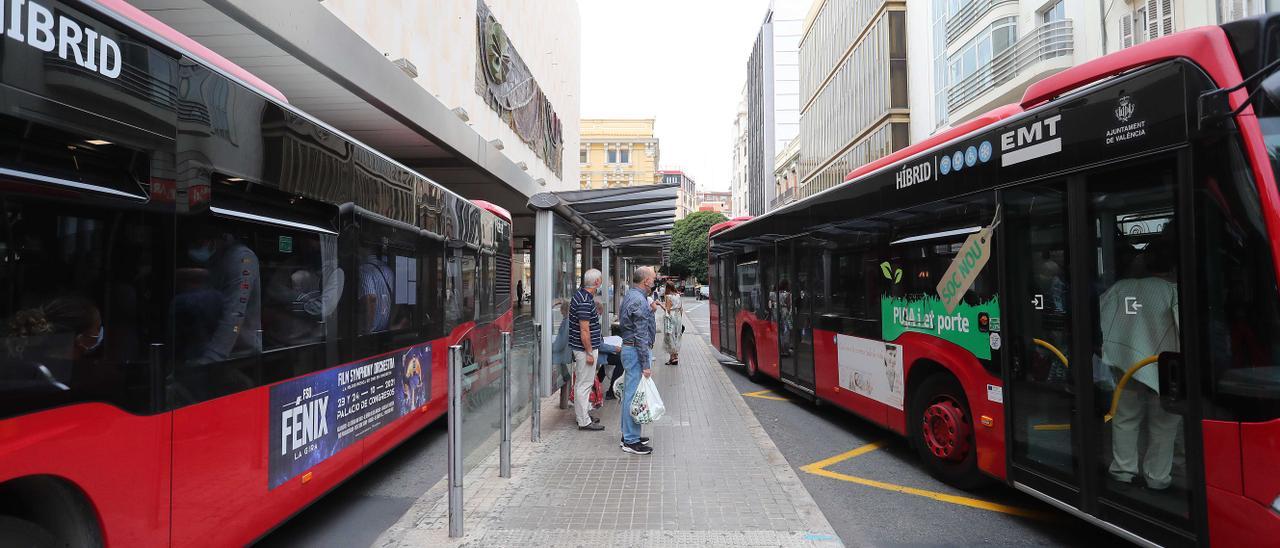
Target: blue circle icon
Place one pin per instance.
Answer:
(970, 156)
(984, 151)
(957, 160)
(945, 165)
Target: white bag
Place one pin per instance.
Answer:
(647, 405)
(619, 386)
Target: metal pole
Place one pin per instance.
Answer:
(607, 274)
(535, 407)
(455, 441)
(504, 450)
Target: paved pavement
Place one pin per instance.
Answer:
(715, 478)
(874, 490)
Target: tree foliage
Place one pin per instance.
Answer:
(689, 244)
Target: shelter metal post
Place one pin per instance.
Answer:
(535, 409)
(605, 291)
(504, 449)
(455, 441)
(543, 282)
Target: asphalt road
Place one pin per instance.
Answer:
(865, 502)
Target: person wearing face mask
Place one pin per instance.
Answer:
(233, 273)
(45, 344)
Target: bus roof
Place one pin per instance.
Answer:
(126, 11)
(991, 117)
(494, 209)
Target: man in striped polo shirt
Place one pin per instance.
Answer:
(585, 343)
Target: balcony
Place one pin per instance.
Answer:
(1025, 61)
(783, 199)
(971, 13)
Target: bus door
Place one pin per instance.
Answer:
(1096, 391)
(800, 295)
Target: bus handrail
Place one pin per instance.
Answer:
(1053, 349)
(1115, 396)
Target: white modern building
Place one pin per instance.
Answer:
(738, 191)
(853, 87)
(438, 43)
(773, 97)
(980, 54)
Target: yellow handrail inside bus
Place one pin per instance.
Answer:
(1053, 349)
(1115, 396)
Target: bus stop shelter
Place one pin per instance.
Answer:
(626, 226)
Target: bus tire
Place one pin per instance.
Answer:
(15, 533)
(749, 357)
(942, 431)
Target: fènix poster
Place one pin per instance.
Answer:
(314, 417)
(871, 368)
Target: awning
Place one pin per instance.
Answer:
(330, 72)
(619, 212)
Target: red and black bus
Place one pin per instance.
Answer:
(214, 308)
(1075, 294)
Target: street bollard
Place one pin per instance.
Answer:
(455, 441)
(504, 450)
(535, 410)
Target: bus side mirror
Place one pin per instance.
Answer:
(1172, 381)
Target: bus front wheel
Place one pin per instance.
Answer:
(942, 432)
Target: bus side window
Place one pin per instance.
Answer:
(79, 306)
(431, 309)
(1238, 287)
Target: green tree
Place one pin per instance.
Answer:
(689, 244)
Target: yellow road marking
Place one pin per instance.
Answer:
(820, 469)
(763, 394)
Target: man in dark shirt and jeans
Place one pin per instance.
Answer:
(585, 341)
(638, 328)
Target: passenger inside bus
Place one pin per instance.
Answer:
(231, 271)
(1139, 319)
(47, 346)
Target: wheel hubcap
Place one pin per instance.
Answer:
(946, 430)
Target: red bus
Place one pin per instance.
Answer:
(1075, 295)
(215, 308)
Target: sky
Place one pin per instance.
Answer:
(683, 62)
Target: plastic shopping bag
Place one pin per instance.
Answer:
(619, 387)
(647, 405)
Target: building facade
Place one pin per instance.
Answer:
(433, 43)
(981, 54)
(853, 88)
(686, 195)
(772, 97)
(718, 201)
(786, 174)
(739, 192)
(618, 152)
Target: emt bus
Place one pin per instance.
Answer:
(213, 308)
(1075, 295)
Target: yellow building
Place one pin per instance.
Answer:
(618, 152)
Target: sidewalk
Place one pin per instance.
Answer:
(715, 479)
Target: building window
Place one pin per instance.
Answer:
(613, 155)
(624, 155)
(582, 156)
(1055, 12)
(979, 52)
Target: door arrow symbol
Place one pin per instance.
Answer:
(1038, 301)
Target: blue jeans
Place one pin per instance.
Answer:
(634, 361)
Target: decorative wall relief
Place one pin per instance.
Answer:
(509, 88)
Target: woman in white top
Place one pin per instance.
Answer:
(673, 328)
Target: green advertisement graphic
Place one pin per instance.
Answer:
(929, 315)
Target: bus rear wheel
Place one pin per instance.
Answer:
(942, 432)
(749, 357)
(20, 532)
